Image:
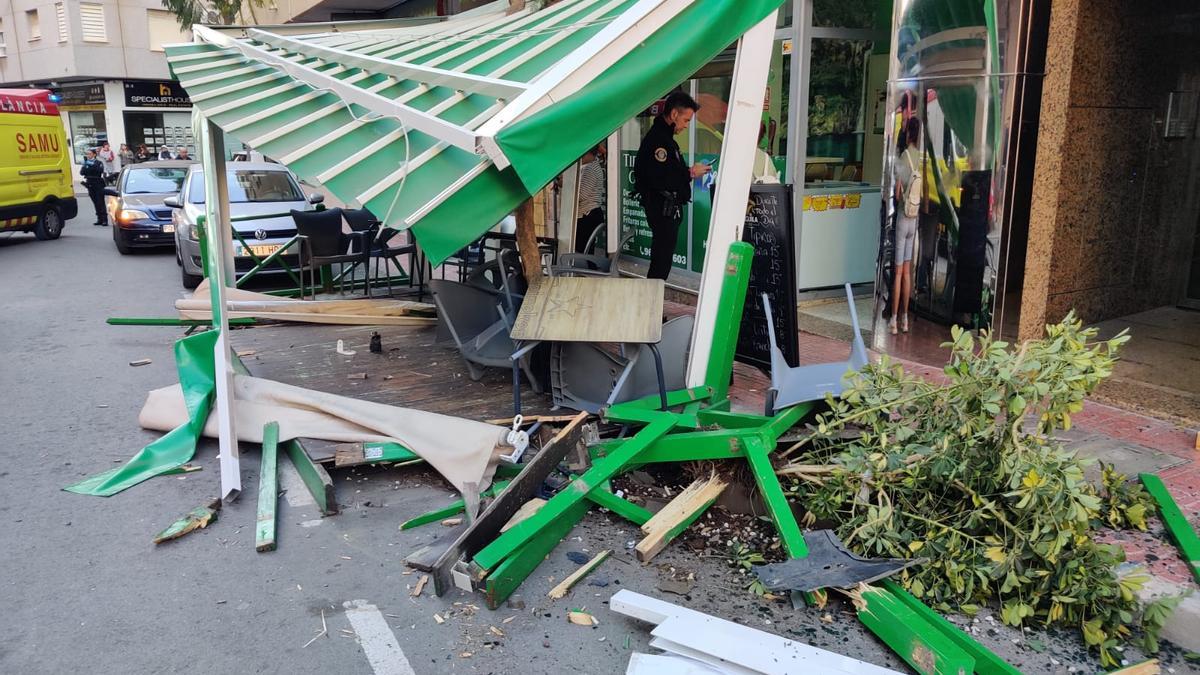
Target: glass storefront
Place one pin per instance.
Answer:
(160, 129)
(88, 130)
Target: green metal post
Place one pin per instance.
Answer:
(1177, 525)
(757, 453)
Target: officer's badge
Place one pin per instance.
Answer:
(660, 154)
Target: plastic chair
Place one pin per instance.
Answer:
(479, 324)
(590, 264)
(383, 250)
(322, 242)
(790, 386)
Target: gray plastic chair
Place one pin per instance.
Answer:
(587, 378)
(479, 325)
(790, 386)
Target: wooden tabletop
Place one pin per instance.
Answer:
(592, 309)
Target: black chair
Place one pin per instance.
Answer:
(383, 249)
(322, 242)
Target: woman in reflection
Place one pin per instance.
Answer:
(908, 186)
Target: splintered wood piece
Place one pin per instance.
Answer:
(677, 515)
(196, 519)
(416, 591)
(582, 619)
(527, 509)
(1150, 667)
(565, 585)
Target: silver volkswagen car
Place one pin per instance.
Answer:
(255, 189)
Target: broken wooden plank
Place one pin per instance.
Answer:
(353, 454)
(1177, 525)
(426, 557)
(521, 489)
(565, 585)
(420, 585)
(1150, 667)
(315, 478)
(196, 519)
(268, 490)
(527, 509)
(677, 515)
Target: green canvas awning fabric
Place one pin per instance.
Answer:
(328, 104)
(194, 359)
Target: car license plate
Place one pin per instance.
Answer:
(168, 228)
(260, 250)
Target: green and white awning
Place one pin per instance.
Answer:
(447, 127)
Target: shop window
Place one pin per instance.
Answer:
(91, 17)
(835, 109)
(163, 29)
(850, 13)
(33, 24)
(60, 13)
(88, 130)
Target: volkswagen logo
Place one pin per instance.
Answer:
(260, 234)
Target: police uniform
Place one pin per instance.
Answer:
(92, 171)
(664, 182)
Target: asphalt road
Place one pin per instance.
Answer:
(83, 588)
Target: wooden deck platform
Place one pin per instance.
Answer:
(414, 371)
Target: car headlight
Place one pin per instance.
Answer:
(193, 232)
(130, 215)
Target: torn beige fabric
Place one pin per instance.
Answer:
(244, 304)
(464, 451)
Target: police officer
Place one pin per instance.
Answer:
(92, 171)
(663, 180)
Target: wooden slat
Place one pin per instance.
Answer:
(677, 515)
(268, 490)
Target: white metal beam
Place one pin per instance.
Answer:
(453, 134)
(581, 66)
(734, 175)
(218, 242)
(437, 77)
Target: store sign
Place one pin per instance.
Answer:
(80, 97)
(163, 94)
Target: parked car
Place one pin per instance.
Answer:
(36, 194)
(135, 204)
(262, 191)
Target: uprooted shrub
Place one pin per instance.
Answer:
(967, 474)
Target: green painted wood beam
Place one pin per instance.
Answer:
(1177, 524)
(921, 645)
(728, 323)
(315, 478)
(558, 506)
(986, 661)
(622, 507)
(758, 455)
(510, 574)
(268, 490)
(452, 509)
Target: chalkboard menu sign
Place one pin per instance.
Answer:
(769, 228)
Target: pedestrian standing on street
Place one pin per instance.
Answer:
(126, 155)
(591, 195)
(183, 153)
(164, 152)
(143, 153)
(93, 177)
(663, 180)
(109, 158)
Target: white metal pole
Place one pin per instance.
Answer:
(734, 175)
(216, 215)
(612, 177)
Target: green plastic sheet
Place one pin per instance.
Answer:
(544, 144)
(194, 360)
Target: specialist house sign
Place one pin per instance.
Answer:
(155, 94)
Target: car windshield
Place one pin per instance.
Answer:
(154, 181)
(251, 185)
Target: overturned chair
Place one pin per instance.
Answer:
(790, 386)
(586, 377)
(479, 321)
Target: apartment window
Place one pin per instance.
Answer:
(60, 13)
(91, 18)
(163, 29)
(32, 23)
(3, 44)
